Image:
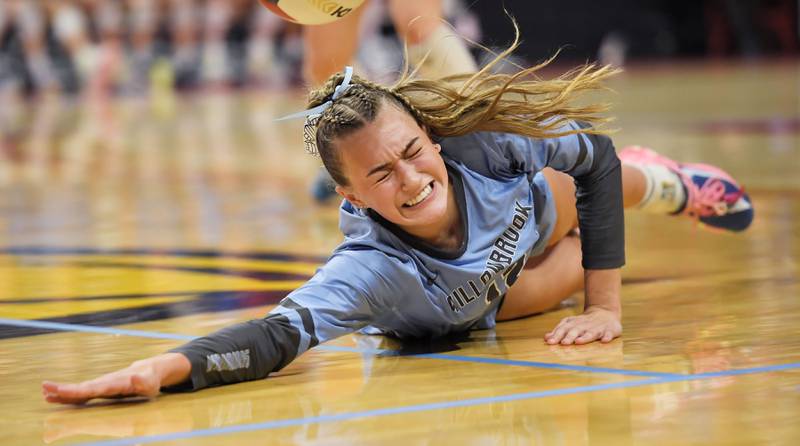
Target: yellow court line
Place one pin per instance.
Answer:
(73, 308)
(61, 281)
(219, 262)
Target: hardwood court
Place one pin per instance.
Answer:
(158, 220)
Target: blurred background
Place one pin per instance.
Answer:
(150, 123)
(130, 47)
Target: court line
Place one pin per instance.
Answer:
(276, 424)
(260, 255)
(68, 299)
(92, 329)
(340, 348)
(545, 365)
(502, 361)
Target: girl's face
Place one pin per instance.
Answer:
(396, 170)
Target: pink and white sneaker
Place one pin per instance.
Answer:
(713, 198)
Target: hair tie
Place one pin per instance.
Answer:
(312, 113)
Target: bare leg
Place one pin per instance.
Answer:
(634, 185)
(218, 18)
(328, 48)
(415, 20)
(433, 47)
(535, 290)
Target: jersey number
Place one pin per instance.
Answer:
(510, 275)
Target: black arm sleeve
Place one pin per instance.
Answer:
(600, 209)
(241, 352)
(333, 303)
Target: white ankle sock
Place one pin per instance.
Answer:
(441, 54)
(665, 193)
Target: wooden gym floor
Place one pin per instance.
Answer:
(129, 226)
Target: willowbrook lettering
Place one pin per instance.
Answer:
(499, 260)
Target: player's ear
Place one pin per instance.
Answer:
(348, 194)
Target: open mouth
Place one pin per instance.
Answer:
(424, 193)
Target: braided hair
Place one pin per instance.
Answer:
(520, 103)
(357, 107)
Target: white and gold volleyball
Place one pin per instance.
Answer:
(312, 12)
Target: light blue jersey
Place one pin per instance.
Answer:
(382, 280)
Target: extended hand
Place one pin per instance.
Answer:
(594, 324)
(142, 378)
(131, 381)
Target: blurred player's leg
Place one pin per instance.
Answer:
(218, 16)
(30, 19)
(142, 22)
(71, 29)
(109, 21)
(328, 48)
(7, 82)
(261, 64)
(184, 17)
(432, 45)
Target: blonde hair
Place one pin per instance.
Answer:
(520, 103)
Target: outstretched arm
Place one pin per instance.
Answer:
(333, 303)
(242, 352)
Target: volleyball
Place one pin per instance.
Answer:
(312, 12)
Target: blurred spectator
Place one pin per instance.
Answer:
(752, 27)
(103, 47)
(620, 30)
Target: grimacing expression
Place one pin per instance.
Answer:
(397, 171)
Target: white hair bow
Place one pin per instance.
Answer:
(315, 112)
(312, 115)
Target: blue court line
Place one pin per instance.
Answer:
(340, 348)
(544, 365)
(91, 329)
(502, 361)
(276, 424)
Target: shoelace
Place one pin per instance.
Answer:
(710, 198)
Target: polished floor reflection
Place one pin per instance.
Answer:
(129, 226)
